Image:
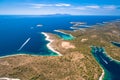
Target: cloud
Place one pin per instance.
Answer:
(86, 7)
(40, 5)
(93, 7)
(80, 8)
(50, 5)
(63, 4)
(97, 7)
(110, 7)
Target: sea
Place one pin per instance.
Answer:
(21, 34)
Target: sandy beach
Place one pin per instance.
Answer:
(50, 41)
(102, 75)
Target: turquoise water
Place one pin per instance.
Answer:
(65, 36)
(110, 66)
(68, 37)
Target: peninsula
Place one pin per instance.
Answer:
(76, 62)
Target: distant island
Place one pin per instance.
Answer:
(77, 60)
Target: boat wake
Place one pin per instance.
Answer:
(104, 60)
(24, 44)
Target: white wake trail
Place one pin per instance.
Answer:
(24, 44)
(104, 60)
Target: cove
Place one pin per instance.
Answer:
(111, 67)
(116, 44)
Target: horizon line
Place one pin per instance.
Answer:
(51, 15)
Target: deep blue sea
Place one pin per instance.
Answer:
(15, 30)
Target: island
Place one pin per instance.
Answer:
(74, 61)
(39, 25)
(79, 25)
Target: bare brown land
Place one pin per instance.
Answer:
(77, 63)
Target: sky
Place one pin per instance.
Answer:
(47, 7)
